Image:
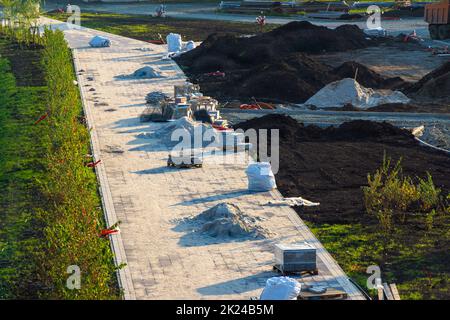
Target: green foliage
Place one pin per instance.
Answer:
(146, 27)
(412, 247)
(21, 18)
(51, 212)
(73, 218)
(393, 197)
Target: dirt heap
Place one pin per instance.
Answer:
(277, 65)
(294, 78)
(329, 165)
(228, 51)
(435, 84)
(227, 220)
(367, 77)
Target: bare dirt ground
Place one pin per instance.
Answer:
(407, 60)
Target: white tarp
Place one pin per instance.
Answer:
(281, 288)
(260, 177)
(174, 42)
(349, 91)
(100, 42)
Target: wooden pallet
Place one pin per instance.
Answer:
(330, 294)
(313, 272)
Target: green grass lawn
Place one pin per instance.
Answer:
(146, 28)
(50, 215)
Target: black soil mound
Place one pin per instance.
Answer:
(274, 66)
(329, 165)
(435, 84)
(294, 78)
(405, 12)
(367, 77)
(227, 52)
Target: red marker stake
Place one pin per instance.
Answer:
(41, 118)
(106, 232)
(93, 164)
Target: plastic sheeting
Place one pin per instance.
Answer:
(281, 288)
(100, 42)
(260, 177)
(174, 43)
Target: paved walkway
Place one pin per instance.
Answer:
(163, 260)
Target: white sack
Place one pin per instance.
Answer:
(100, 42)
(190, 45)
(281, 288)
(174, 43)
(260, 177)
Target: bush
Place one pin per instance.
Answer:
(73, 218)
(393, 197)
(51, 213)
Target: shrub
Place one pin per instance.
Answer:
(73, 218)
(392, 197)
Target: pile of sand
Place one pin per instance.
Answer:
(349, 92)
(184, 130)
(227, 220)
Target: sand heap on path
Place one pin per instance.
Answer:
(276, 66)
(227, 220)
(349, 92)
(187, 131)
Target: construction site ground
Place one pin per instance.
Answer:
(162, 260)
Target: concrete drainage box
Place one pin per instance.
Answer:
(295, 257)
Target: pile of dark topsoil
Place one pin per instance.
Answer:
(277, 65)
(435, 85)
(329, 165)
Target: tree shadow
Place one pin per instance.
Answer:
(239, 285)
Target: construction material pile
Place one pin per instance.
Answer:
(185, 133)
(227, 220)
(349, 92)
(156, 97)
(146, 73)
(274, 66)
(329, 165)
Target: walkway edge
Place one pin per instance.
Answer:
(123, 274)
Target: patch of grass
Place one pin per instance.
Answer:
(51, 213)
(146, 28)
(410, 242)
(21, 167)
